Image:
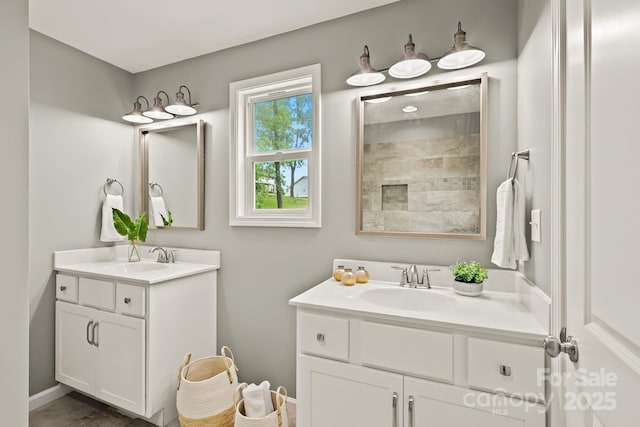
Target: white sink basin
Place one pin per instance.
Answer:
(137, 267)
(408, 299)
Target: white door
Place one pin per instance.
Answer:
(603, 213)
(121, 361)
(429, 404)
(335, 394)
(75, 355)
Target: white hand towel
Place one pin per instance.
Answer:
(108, 232)
(158, 210)
(257, 400)
(503, 248)
(520, 250)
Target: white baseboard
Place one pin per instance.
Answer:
(49, 395)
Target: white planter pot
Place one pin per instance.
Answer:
(467, 289)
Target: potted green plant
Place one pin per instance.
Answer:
(468, 278)
(134, 230)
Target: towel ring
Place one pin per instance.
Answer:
(152, 185)
(109, 182)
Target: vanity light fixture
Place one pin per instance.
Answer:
(366, 74)
(410, 109)
(158, 111)
(412, 64)
(180, 107)
(137, 116)
(461, 54)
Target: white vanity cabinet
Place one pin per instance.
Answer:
(102, 354)
(122, 339)
(361, 371)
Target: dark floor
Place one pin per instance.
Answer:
(76, 410)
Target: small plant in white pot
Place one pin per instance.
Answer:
(468, 278)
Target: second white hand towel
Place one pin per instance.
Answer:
(503, 249)
(159, 209)
(108, 232)
(520, 251)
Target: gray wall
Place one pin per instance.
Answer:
(534, 127)
(14, 72)
(77, 140)
(263, 267)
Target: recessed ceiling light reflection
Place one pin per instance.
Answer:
(416, 93)
(378, 100)
(410, 109)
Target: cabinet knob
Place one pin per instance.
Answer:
(320, 337)
(127, 300)
(63, 288)
(505, 370)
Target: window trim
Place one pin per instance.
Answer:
(244, 93)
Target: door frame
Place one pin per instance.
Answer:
(555, 415)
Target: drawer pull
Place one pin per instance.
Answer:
(505, 370)
(320, 337)
(63, 288)
(127, 300)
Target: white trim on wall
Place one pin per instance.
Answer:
(47, 396)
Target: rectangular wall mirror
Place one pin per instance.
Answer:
(421, 160)
(172, 174)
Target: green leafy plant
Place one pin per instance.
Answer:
(168, 221)
(469, 272)
(134, 230)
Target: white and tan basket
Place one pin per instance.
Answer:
(206, 390)
(277, 418)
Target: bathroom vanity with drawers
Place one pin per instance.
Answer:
(381, 355)
(123, 329)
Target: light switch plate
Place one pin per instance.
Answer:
(535, 225)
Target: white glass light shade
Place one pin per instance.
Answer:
(180, 107)
(461, 58)
(412, 64)
(366, 75)
(136, 116)
(157, 111)
(410, 109)
(462, 54)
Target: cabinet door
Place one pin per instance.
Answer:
(341, 395)
(121, 361)
(75, 355)
(442, 405)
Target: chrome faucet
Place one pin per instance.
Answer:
(410, 277)
(163, 256)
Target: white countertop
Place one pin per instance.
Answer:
(492, 312)
(110, 263)
(117, 270)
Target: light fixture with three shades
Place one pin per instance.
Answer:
(180, 107)
(413, 64)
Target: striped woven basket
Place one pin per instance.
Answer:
(277, 418)
(206, 389)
